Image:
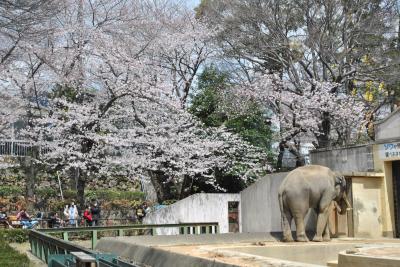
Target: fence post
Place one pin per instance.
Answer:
(65, 236)
(120, 232)
(94, 238)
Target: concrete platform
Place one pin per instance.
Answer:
(255, 249)
(372, 255)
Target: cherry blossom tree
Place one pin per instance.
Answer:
(304, 113)
(114, 77)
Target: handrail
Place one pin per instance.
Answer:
(130, 226)
(43, 244)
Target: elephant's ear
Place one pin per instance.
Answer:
(340, 180)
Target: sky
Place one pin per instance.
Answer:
(192, 3)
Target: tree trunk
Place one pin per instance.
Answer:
(282, 145)
(325, 129)
(81, 190)
(161, 186)
(186, 188)
(30, 177)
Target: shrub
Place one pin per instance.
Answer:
(121, 204)
(6, 191)
(70, 194)
(14, 235)
(110, 195)
(46, 192)
(169, 201)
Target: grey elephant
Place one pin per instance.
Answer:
(306, 187)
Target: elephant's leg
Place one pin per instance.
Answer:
(286, 222)
(300, 227)
(325, 208)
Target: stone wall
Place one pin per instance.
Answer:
(346, 159)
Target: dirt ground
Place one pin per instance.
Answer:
(221, 253)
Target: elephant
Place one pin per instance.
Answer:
(311, 186)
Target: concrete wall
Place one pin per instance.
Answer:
(367, 206)
(260, 207)
(195, 208)
(347, 159)
(389, 128)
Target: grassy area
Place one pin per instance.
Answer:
(10, 257)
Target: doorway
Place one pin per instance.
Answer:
(343, 225)
(233, 216)
(396, 194)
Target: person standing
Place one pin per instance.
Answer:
(73, 214)
(87, 215)
(95, 210)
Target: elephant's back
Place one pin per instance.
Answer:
(306, 176)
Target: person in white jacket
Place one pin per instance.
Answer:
(71, 214)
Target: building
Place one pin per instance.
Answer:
(373, 173)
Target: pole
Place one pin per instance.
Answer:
(59, 184)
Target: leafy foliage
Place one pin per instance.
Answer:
(10, 191)
(13, 236)
(214, 109)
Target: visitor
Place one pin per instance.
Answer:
(147, 209)
(54, 220)
(140, 213)
(95, 210)
(87, 216)
(25, 219)
(73, 215)
(4, 218)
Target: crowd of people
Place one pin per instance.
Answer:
(72, 217)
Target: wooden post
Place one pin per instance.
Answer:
(84, 260)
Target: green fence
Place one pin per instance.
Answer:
(44, 243)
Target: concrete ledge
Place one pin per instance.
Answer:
(151, 256)
(363, 174)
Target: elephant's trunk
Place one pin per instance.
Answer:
(349, 207)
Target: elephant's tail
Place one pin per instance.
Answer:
(280, 198)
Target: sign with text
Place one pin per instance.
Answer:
(389, 151)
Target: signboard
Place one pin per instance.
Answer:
(389, 151)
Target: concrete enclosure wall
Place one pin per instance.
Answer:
(347, 159)
(196, 208)
(260, 207)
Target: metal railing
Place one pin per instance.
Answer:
(43, 244)
(18, 148)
